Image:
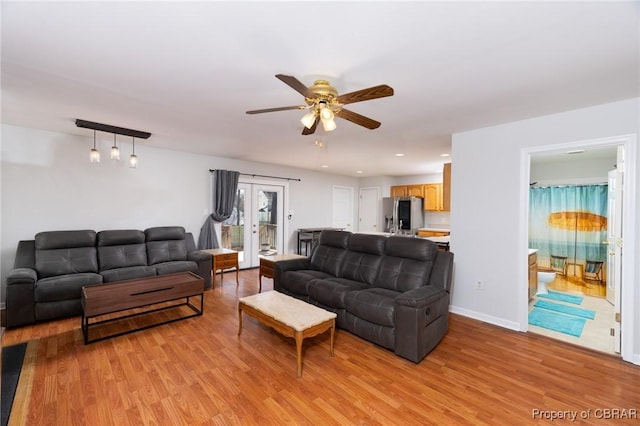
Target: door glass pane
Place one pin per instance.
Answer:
(268, 222)
(233, 228)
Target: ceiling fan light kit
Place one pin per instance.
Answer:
(326, 104)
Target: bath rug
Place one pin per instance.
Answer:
(562, 297)
(562, 323)
(12, 358)
(565, 309)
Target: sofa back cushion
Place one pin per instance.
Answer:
(328, 255)
(121, 249)
(407, 263)
(65, 252)
(362, 261)
(165, 244)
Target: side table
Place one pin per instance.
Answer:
(267, 265)
(223, 259)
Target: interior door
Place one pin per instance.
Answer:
(614, 241)
(368, 210)
(342, 210)
(256, 226)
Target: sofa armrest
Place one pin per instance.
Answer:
(22, 276)
(205, 264)
(20, 297)
(292, 265)
(420, 297)
(198, 256)
(421, 321)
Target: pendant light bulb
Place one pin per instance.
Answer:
(133, 158)
(115, 151)
(94, 154)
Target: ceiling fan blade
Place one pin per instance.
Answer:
(358, 119)
(312, 130)
(260, 111)
(296, 85)
(375, 92)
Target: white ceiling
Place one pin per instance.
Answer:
(187, 72)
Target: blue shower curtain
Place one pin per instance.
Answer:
(552, 238)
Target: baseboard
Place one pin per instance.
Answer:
(500, 322)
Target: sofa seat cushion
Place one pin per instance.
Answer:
(176, 266)
(131, 273)
(63, 287)
(374, 305)
(297, 282)
(332, 291)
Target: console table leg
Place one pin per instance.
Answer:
(239, 320)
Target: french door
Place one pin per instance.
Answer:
(256, 226)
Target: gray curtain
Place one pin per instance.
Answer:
(225, 186)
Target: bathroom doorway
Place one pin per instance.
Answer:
(579, 165)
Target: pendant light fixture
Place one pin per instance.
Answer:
(115, 151)
(133, 158)
(94, 154)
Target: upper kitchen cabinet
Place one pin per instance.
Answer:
(407, 191)
(446, 187)
(432, 197)
(437, 196)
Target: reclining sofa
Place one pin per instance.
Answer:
(392, 291)
(50, 271)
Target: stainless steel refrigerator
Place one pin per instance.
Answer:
(403, 215)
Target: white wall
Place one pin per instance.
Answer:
(487, 197)
(49, 184)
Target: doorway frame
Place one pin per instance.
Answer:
(629, 305)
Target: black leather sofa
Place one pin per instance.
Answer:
(50, 270)
(393, 291)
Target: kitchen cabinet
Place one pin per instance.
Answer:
(432, 197)
(446, 187)
(407, 191)
(533, 274)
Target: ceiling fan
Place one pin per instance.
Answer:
(324, 103)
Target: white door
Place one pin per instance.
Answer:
(342, 208)
(368, 210)
(256, 225)
(614, 240)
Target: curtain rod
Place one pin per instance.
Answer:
(264, 176)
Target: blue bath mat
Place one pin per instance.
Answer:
(562, 297)
(562, 323)
(565, 309)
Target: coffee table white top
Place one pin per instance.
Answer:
(288, 310)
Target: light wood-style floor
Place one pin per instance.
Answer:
(596, 334)
(199, 372)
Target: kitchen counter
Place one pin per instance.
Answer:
(435, 229)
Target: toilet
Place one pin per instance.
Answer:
(544, 278)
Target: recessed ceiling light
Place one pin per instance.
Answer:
(445, 155)
(324, 166)
(576, 151)
(399, 154)
(359, 172)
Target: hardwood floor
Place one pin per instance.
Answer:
(198, 372)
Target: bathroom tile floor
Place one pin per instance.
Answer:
(596, 333)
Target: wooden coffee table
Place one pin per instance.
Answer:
(288, 316)
(109, 298)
